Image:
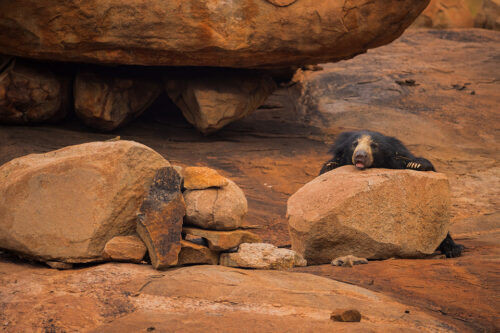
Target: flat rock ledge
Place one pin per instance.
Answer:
(373, 214)
(135, 298)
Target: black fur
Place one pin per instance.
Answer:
(390, 153)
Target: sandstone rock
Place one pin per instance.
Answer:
(132, 298)
(125, 248)
(200, 178)
(30, 93)
(348, 261)
(216, 208)
(446, 14)
(262, 256)
(218, 34)
(160, 221)
(65, 205)
(489, 15)
(192, 253)
(108, 100)
(346, 316)
(211, 102)
(223, 240)
(375, 213)
(443, 14)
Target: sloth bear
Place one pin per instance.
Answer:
(366, 149)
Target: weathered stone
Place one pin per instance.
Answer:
(108, 100)
(262, 256)
(223, 240)
(348, 261)
(200, 178)
(211, 102)
(160, 222)
(30, 93)
(446, 14)
(351, 316)
(375, 214)
(489, 16)
(203, 298)
(65, 205)
(442, 14)
(216, 208)
(242, 34)
(125, 248)
(192, 253)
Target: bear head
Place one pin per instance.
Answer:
(364, 149)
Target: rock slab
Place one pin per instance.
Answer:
(237, 34)
(216, 208)
(262, 256)
(196, 254)
(159, 223)
(223, 240)
(125, 248)
(200, 178)
(65, 205)
(374, 214)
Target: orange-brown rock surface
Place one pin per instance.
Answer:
(136, 298)
(442, 14)
(125, 248)
(448, 115)
(200, 178)
(192, 254)
(373, 213)
(243, 33)
(215, 208)
(65, 205)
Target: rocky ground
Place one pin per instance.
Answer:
(438, 91)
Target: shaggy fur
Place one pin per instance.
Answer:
(366, 149)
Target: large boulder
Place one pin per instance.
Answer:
(243, 33)
(65, 205)
(108, 100)
(31, 93)
(213, 101)
(374, 214)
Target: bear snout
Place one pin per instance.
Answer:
(361, 159)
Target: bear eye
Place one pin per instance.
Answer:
(374, 145)
(355, 143)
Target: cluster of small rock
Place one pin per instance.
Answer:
(106, 98)
(114, 200)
